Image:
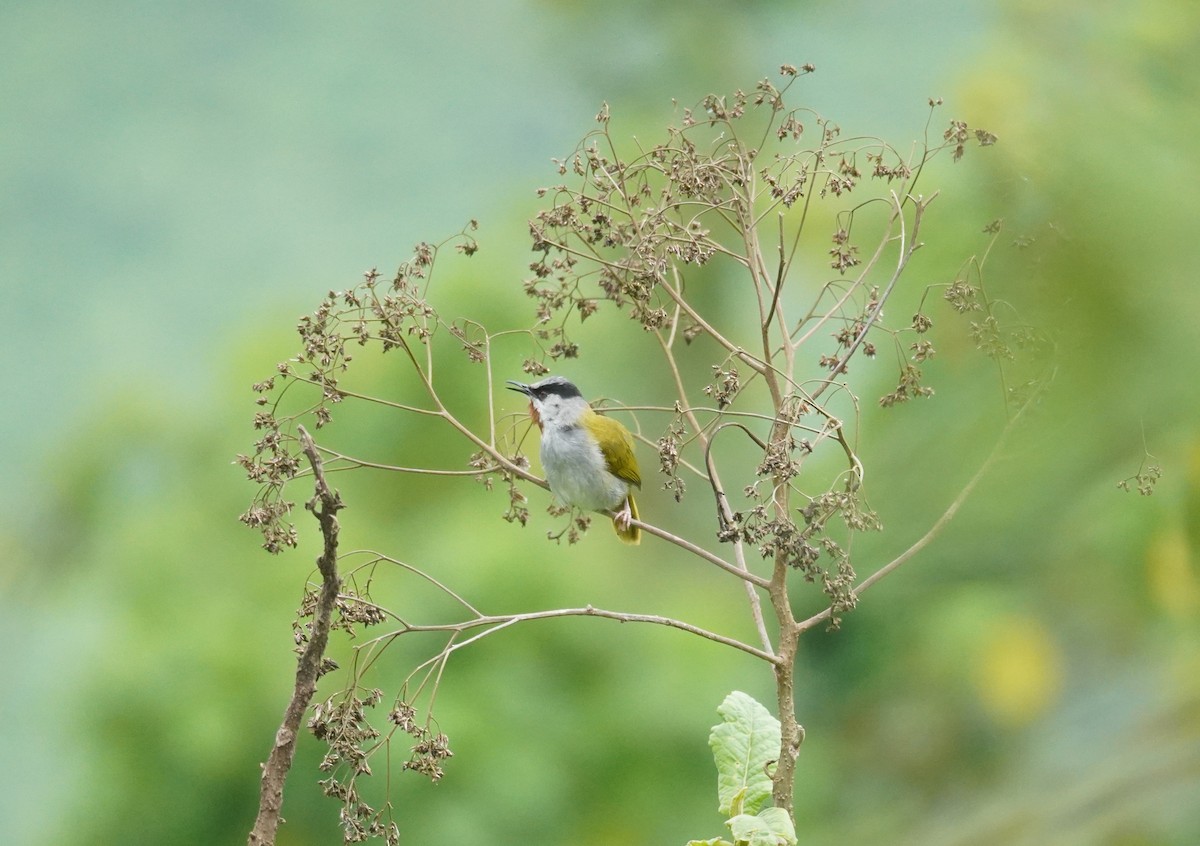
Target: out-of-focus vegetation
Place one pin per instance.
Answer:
(1034, 677)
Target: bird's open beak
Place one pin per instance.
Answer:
(522, 388)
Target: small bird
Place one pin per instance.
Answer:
(588, 458)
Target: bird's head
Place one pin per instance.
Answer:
(553, 401)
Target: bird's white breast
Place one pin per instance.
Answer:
(577, 472)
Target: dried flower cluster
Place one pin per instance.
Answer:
(731, 190)
(391, 315)
(703, 239)
(1144, 481)
(342, 722)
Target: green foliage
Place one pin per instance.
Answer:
(745, 746)
(769, 827)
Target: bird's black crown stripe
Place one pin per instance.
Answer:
(555, 385)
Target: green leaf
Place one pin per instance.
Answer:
(716, 841)
(742, 748)
(771, 827)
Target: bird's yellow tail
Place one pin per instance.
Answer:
(631, 534)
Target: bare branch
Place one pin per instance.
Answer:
(934, 530)
(906, 251)
(700, 551)
(419, 471)
(324, 505)
(498, 622)
(724, 512)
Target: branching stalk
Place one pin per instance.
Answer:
(324, 505)
(632, 236)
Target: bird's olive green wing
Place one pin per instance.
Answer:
(616, 444)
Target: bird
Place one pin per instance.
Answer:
(588, 458)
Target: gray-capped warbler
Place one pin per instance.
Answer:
(588, 458)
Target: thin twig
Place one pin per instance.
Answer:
(906, 251)
(376, 557)
(714, 481)
(498, 622)
(324, 505)
(937, 527)
(420, 471)
(745, 575)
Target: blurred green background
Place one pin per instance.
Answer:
(178, 182)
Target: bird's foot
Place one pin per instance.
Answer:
(621, 518)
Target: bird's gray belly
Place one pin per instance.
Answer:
(577, 473)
